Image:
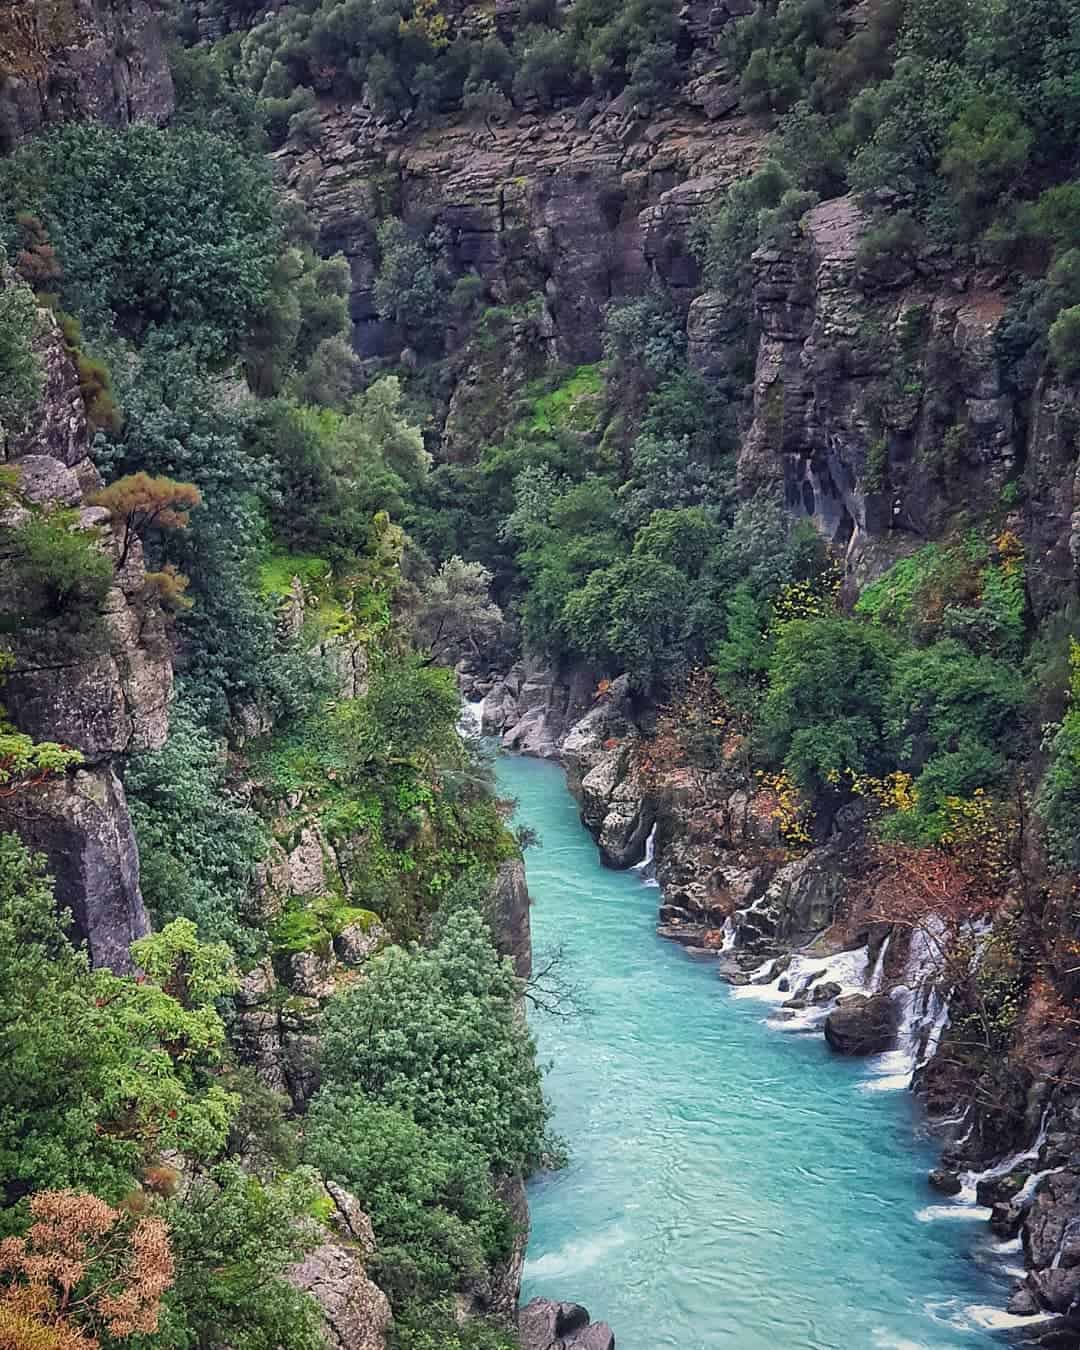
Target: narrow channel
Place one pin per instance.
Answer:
(731, 1185)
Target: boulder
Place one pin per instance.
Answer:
(355, 943)
(948, 1183)
(861, 1025)
(546, 1325)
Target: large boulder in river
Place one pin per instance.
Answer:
(546, 1325)
(861, 1025)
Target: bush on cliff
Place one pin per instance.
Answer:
(434, 1034)
(427, 1190)
(20, 370)
(100, 1072)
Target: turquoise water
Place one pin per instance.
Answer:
(731, 1185)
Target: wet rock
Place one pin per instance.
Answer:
(948, 1183)
(688, 935)
(825, 992)
(992, 1191)
(1056, 1289)
(542, 1322)
(546, 1325)
(861, 1025)
(1022, 1302)
(1007, 1217)
(1049, 1221)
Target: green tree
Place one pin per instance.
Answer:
(824, 713)
(427, 1189)
(174, 229)
(20, 369)
(632, 617)
(435, 1034)
(234, 1237)
(101, 1072)
(198, 850)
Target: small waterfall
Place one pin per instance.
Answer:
(923, 1015)
(471, 721)
(970, 1180)
(650, 853)
(878, 973)
(846, 969)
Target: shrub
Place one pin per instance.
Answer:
(427, 1190)
(99, 1071)
(411, 283)
(198, 851)
(824, 714)
(434, 1034)
(20, 369)
(1065, 342)
(235, 1237)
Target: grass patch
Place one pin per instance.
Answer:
(574, 405)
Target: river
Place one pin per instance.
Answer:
(731, 1185)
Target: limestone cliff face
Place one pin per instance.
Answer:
(71, 60)
(580, 206)
(107, 699)
(877, 400)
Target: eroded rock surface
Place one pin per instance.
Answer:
(80, 59)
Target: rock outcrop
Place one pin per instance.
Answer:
(532, 708)
(578, 206)
(71, 60)
(861, 1025)
(355, 1311)
(878, 402)
(546, 1325)
(106, 698)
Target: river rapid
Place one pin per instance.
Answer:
(731, 1184)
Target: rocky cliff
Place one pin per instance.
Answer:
(105, 698)
(580, 206)
(66, 60)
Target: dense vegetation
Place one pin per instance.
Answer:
(265, 486)
(413, 58)
(320, 569)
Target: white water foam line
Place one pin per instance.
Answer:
(966, 1205)
(847, 969)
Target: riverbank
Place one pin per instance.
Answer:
(732, 1184)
